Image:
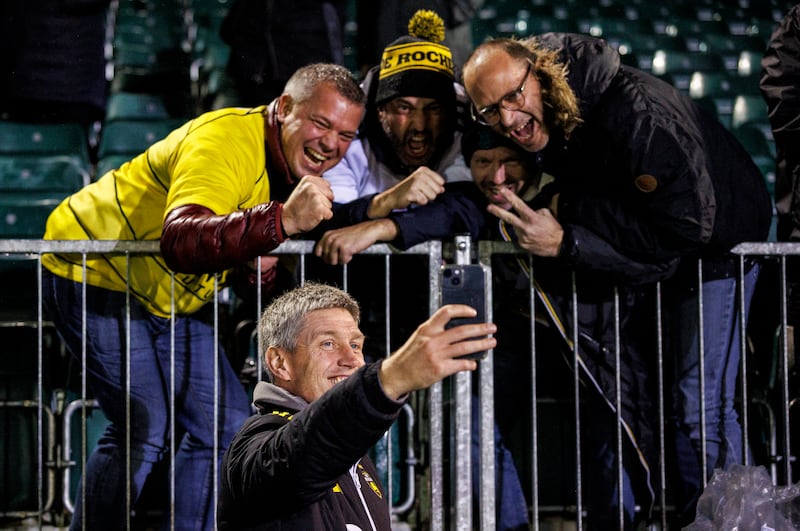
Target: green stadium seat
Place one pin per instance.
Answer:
(23, 214)
(731, 46)
(602, 26)
(749, 108)
(131, 137)
(110, 162)
(644, 46)
(55, 173)
(680, 66)
(749, 63)
(19, 138)
(721, 89)
(756, 139)
(135, 106)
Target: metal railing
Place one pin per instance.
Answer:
(428, 463)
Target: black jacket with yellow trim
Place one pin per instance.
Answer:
(304, 466)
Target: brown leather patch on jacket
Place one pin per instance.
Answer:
(646, 183)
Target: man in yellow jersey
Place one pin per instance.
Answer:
(218, 192)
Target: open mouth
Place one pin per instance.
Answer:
(315, 157)
(337, 379)
(524, 133)
(417, 146)
(493, 193)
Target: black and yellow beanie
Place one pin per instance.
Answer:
(418, 65)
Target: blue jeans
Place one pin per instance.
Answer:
(511, 506)
(722, 357)
(104, 481)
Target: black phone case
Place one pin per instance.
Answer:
(466, 284)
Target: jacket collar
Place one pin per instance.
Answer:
(280, 176)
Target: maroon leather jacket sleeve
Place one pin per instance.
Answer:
(195, 240)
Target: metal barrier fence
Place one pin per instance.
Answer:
(49, 419)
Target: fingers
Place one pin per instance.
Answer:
(506, 215)
(337, 246)
(322, 185)
(309, 203)
(466, 338)
(423, 185)
(519, 206)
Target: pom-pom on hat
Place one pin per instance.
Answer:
(418, 65)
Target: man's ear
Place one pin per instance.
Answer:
(283, 107)
(275, 359)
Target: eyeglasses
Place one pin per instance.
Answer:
(513, 101)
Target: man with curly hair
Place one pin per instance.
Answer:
(645, 185)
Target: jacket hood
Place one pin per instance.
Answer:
(267, 396)
(591, 64)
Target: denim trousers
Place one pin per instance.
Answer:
(721, 361)
(124, 458)
(511, 510)
(721, 358)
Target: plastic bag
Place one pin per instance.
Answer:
(743, 498)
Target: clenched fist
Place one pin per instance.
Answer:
(309, 204)
(419, 188)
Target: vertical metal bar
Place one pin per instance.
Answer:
(488, 497)
(173, 443)
(618, 407)
(702, 369)
(463, 424)
(436, 409)
(39, 395)
(83, 391)
(534, 403)
(662, 468)
(259, 303)
(215, 444)
(576, 384)
(387, 350)
(784, 372)
(128, 434)
(743, 370)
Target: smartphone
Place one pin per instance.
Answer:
(466, 284)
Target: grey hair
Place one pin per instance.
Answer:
(300, 86)
(284, 317)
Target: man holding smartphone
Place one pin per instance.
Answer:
(300, 462)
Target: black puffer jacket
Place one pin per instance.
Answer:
(648, 177)
(297, 466)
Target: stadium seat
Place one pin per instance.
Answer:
(749, 63)
(55, 173)
(18, 138)
(601, 26)
(680, 66)
(731, 46)
(749, 108)
(131, 137)
(756, 139)
(23, 214)
(135, 106)
(111, 162)
(721, 89)
(645, 45)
